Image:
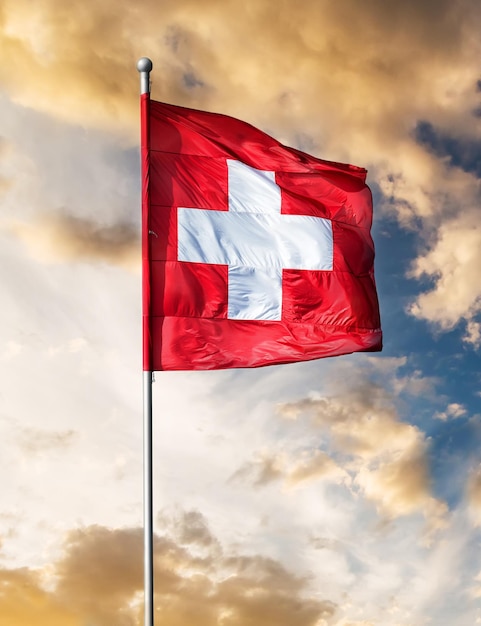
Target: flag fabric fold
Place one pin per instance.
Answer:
(254, 253)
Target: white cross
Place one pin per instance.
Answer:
(255, 241)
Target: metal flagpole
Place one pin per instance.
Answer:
(144, 66)
(148, 508)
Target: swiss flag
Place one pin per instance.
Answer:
(253, 253)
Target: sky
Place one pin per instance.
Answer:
(338, 492)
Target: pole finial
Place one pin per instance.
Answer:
(144, 66)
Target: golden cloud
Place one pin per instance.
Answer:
(23, 601)
(375, 66)
(5, 150)
(362, 422)
(99, 581)
(314, 465)
(385, 457)
(473, 494)
(264, 469)
(349, 81)
(305, 467)
(63, 237)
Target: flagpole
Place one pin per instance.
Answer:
(144, 66)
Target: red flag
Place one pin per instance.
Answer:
(254, 253)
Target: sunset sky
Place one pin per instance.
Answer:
(339, 492)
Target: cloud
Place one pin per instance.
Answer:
(392, 61)
(385, 457)
(5, 181)
(60, 237)
(454, 410)
(304, 467)
(452, 264)
(473, 494)
(190, 528)
(266, 468)
(363, 422)
(23, 601)
(34, 440)
(98, 580)
(313, 466)
(397, 65)
(415, 384)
